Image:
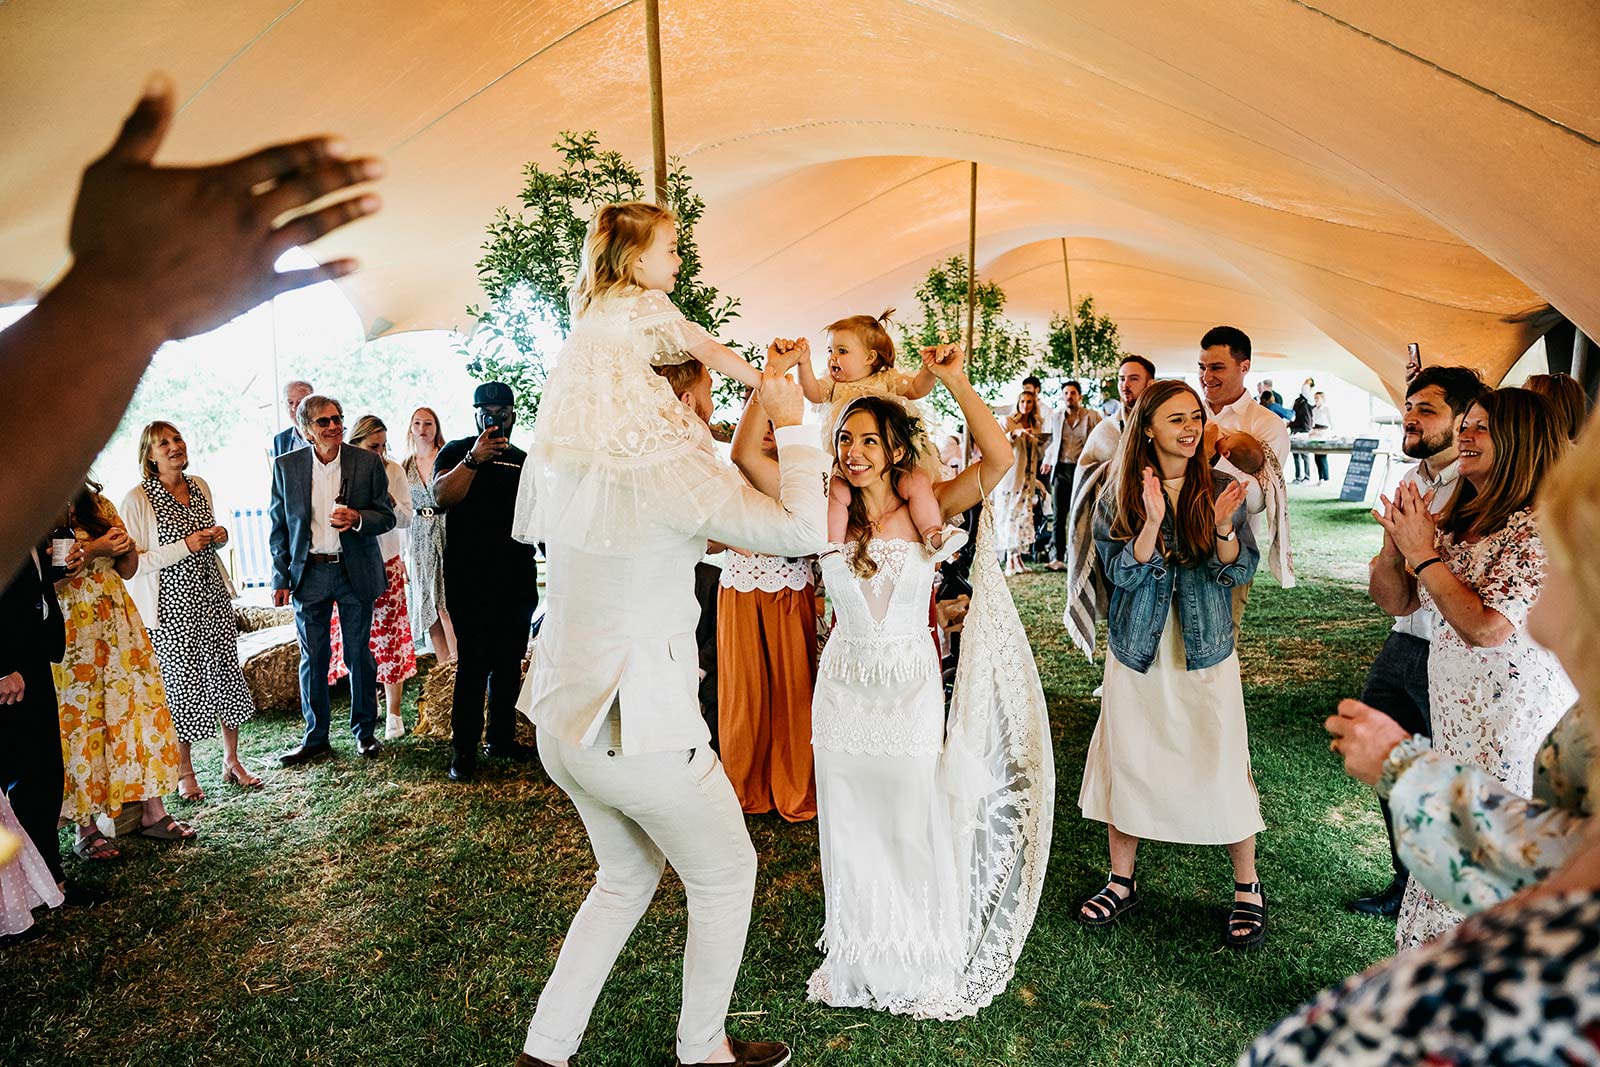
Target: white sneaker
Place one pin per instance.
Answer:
(396, 728)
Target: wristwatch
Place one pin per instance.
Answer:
(1231, 535)
(471, 462)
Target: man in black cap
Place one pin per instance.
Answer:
(490, 580)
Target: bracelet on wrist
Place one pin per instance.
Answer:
(1400, 758)
(1416, 572)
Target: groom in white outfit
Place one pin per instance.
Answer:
(613, 691)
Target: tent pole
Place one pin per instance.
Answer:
(658, 121)
(972, 262)
(1072, 312)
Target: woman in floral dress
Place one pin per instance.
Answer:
(1495, 694)
(117, 738)
(428, 614)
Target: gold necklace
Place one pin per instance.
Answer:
(873, 525)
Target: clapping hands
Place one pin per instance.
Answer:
(1228, 502)
(1154, 498)
(1409, 522)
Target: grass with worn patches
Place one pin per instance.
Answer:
(359, 913)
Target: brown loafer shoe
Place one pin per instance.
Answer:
(753, 1054)
(525, 1060)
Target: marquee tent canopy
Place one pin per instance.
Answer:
(1338, 177)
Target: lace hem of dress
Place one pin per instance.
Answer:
(767, 574)
(879, 660)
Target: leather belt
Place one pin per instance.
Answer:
(325, 557)
(427, 513)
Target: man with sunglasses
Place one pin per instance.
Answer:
(329, 504)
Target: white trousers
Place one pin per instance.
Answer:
(641, 812)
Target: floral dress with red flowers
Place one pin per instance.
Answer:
(117, 738)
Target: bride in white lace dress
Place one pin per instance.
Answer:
(934, 837)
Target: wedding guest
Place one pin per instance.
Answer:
(1015, 528)
(1515, 985)
(158, 253)
(289, 438)
(490, 577)
(185, 597)
(1134, 375)
(1272, 400)
(428, 613)
(1566, 396)
(393, 650)
(330, 503)
(766, 654)
(1224, 362)
(1321, 422)
(1069, 434)
(117, 740)
(1493, 694)
(31, 769)
(1087, 595)
(1397, 682)
(1170, 755)
(1301, 424)
(27, 880)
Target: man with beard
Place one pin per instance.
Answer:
(1397, 683)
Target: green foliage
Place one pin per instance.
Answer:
(1003, 349)
(531, 256)
(1099, 351)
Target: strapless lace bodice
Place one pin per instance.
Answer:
(880, 630)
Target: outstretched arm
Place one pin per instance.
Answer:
(971, 485)
(158, 253)
(918, 385)
(759, 469)
(815, 391)
(726, 362)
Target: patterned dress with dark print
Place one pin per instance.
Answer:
(195, 633)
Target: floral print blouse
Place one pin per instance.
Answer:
(1509, 988)
(1470, 840)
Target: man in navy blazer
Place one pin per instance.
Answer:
(329, 504)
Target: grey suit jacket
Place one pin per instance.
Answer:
(367, 491)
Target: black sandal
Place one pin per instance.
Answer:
(1247, 923)
(1110, 906)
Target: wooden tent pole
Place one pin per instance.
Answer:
(1072, 312)
(972, 262)
(658, 119)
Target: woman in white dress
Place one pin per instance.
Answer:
(1493, 694)
(1017, 524)
(1170, 756)
(934, 836)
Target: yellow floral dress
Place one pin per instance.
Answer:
(117, 739)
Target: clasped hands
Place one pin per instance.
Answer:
(201, 539)
(1408, 522)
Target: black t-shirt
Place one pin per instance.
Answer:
(478, 546)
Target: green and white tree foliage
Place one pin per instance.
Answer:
(531, 256)
(1002, 350)
(1098, 351)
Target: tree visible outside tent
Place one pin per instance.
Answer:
(1002, 349)
(531, 256)
(1093, 361)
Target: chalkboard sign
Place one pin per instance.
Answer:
(1359, 474)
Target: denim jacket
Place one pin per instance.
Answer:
(1141, 593)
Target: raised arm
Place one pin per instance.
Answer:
(759, 469)
(817, 392)
(973, 484)
(918, 385)
(158, 253)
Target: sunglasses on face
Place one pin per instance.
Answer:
(324, 421)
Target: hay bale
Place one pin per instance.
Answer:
(438, 696)
(271, 661)
(253, 617)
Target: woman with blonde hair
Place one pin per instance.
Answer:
(1516, 984)
(391, 644)
(1016, 528)
(428, 614)
(1493, 692)
(185, 597)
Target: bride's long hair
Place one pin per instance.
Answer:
(618, 234)
(898, 435)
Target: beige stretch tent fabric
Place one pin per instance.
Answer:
(1339, 177)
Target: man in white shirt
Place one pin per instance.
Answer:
(613, 690)
(1224, 362)
(1069, 434)
(1397, 683)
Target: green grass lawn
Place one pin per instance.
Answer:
(373, 913)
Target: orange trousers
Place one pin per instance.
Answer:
(766, 663)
